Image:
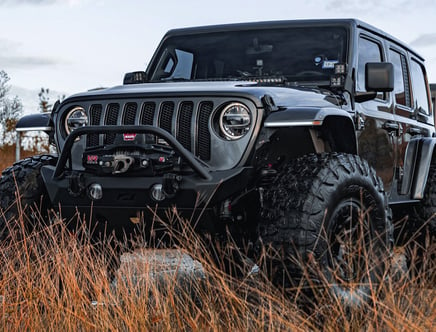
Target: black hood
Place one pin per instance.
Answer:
(282, 96)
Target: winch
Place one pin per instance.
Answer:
(148, 161)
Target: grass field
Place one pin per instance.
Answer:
(55, 279)
(51, 276)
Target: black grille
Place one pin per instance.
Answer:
(187, 120)
(185, 123)
(130, 114)
(112, 114)
(147, 114)
(166, 115)
(95, 113)
(203, 141)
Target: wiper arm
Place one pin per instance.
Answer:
(175, 79)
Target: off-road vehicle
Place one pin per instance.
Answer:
(296, 136)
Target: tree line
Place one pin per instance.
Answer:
(11, 109)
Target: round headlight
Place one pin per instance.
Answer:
(75, 118)
(235, 121)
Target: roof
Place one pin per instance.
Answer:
(287, 23)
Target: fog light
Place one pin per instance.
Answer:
(95, 191)
(157, 193)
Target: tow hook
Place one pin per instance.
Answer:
(170, 185)
(76, 184)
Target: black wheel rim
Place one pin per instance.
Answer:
(349, 240)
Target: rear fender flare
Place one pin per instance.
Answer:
(419, 157)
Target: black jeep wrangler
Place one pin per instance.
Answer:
(297, 136)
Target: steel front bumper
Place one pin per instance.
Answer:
(72, 190)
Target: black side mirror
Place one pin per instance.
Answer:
(379, 76)
(135, 77)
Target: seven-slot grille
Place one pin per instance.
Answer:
(187, 120)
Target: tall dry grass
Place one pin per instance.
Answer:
(56, 279)
(7, 155)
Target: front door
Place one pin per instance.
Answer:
(377, 128)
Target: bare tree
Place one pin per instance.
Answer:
(10, 111)
(44, 99)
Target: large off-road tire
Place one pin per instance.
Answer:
(426, 210)
(325, 220)
(22, 190)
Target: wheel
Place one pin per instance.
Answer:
(420, 234)
(426, 210)
(25, 176)
(326, 216)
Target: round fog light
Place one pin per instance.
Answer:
(157, 193)
(95, 191)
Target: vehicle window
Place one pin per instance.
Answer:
(419, 85)
(169, 66)
(369, 51)
(297, 54)
(180, 68)
(401, 84)
(433, 96)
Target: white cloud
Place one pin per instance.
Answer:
(424, 40)
(27, 61)
(26, 2)
(357, 6)
(11, 3)
(10, 57)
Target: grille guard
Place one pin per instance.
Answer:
(190, 159)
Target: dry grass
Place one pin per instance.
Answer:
(7, 155)
(50, 276)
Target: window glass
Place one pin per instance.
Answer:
(369, 51)
(297, 54)
(420, 97)
(401, 84)
(169, 66)
(182, 68)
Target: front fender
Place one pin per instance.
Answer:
(335, 126)
(303, 116)
(35, 122)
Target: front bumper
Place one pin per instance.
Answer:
(135, 192)
(126, 196)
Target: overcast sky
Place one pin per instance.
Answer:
(75, 45)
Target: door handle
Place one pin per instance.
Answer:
(414, 131)
(390, 126)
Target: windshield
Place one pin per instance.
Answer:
(296, 54)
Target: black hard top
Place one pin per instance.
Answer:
(347, 22)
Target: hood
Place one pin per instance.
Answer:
(282, 96)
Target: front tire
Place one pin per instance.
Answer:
(426, 211)
(22, 189)
(326, 217)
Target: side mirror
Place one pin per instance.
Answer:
(379, 76)
(135, 77)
